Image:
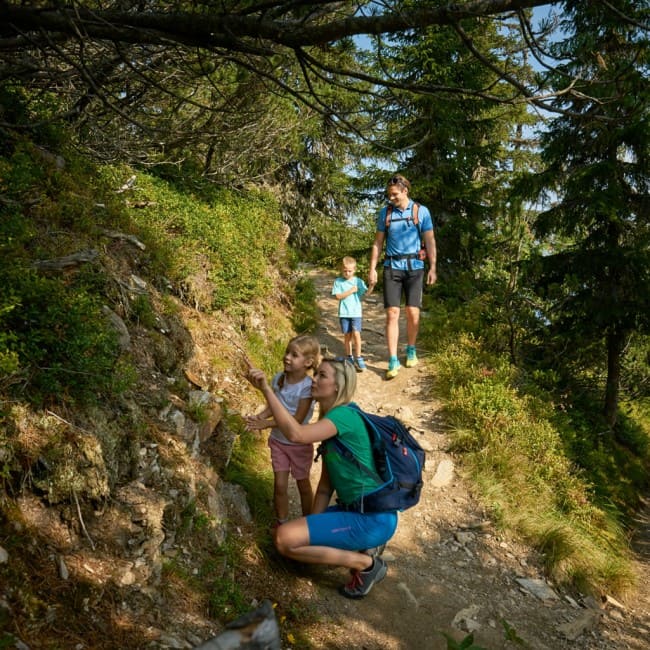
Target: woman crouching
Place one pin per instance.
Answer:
(334, 535)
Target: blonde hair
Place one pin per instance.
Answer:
(345, 377)
(349, 261)
(400, 180)
(309, 347)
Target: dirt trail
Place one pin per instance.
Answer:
(449, 570)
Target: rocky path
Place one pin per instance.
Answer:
(450, 572)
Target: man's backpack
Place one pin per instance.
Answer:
(399, 460)
(422, 253)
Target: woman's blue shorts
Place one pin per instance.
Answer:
(351, 531)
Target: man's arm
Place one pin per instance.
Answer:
(430, 245)
(375, 252)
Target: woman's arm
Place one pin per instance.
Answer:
(324, 492)
(293, 430)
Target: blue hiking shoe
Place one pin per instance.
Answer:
(393, 367)
(360, 364)
(411, 356)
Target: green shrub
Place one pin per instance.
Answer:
(59, 338)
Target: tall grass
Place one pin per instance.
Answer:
(507, 435)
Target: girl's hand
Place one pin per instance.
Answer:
(257, 378)
(256, 423)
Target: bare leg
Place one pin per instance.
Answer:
(306, 495)
(392, 330)
(281, 495)
(412, 324)
(357, 343)
(292, 540)
(348, 344)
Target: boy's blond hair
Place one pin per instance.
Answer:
(349, 261)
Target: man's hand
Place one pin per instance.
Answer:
(372, 279)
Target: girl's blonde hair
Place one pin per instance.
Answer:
(309, 347)
(345, 377)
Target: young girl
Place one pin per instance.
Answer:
(293, 388)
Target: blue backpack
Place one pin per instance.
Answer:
(399, 460)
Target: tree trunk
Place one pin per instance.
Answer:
(616, 339)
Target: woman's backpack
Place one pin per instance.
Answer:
(399, 460)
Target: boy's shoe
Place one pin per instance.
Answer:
(363, 581)
(350, 358)
(360, 363)
(411, 356)
(393, 367)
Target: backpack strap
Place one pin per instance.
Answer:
(414, 215)
(415, 209)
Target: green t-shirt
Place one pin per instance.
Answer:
(346, 478)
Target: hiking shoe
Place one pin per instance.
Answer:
(375, 550)
(411, 356)
(393, 368)
(360, 363)
(363, 581)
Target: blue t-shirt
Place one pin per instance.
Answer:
(403, 236)
(350, 306)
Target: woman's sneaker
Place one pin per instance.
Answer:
(360, 364)
(363, 581)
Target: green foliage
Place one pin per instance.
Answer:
(305, 312)
(538, 472)
(592, 282)
(327, 241)
(58, 336)
(226, 599)
(249, 467)
(214, 244)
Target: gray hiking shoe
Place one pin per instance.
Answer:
(375, 550)
(363, 581)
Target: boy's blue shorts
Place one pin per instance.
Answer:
(351, 531)
(349, 325)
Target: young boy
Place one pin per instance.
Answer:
(349, 290)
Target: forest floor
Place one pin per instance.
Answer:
(450, 571)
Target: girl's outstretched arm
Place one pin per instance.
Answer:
(293, 430)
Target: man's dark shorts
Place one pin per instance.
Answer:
(408, 282)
